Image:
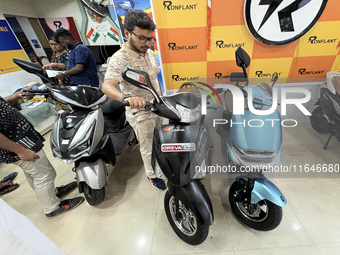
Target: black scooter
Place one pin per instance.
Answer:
(325, 117)
(178, 148)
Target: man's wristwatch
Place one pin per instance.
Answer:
(123, 98)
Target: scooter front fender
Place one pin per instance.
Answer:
(265, 189)
(194, 196)
(94, 174)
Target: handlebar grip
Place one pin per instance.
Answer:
(29, 90)
(33, 92)
(147, 104)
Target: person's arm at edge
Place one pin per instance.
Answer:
(13, 97)
(23, 153)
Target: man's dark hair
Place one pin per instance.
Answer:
(62, 32)
(139, 19)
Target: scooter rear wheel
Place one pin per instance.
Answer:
(265, 216)
(318, 121)
(187, 226)
(94, 196)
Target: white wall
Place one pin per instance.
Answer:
(58, 8)
(9, 82)
(18, 7)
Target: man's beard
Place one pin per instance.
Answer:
(133, 45)
(69, 46)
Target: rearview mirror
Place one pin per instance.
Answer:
(28, 66)
(31, 68)
(140, 79)
(242, 58)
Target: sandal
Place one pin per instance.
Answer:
(9, 177)
(9, 189)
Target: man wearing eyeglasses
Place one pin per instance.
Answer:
(136, 53)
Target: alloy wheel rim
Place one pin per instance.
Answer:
(187, 222)
(243, 207)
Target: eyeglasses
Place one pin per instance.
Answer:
(143, 39)
(55, 44)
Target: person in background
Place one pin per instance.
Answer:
(136, 53)
(81, 66)
(58, 60)
(22, 145)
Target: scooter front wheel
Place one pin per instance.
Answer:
(318, 121)
(93, 196)
(263, 216)
(185, 225)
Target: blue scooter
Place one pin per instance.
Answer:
(252, 144)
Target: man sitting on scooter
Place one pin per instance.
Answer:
(136, 53)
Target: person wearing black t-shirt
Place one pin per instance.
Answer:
(22, 145)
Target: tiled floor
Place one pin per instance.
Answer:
(132, 220)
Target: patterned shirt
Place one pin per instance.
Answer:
(147, 63)
(83, 55)
(16, 128)
(62, 58)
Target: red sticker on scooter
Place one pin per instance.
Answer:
(178, 147)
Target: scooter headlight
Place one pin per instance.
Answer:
(84, 145)
(80, 149)
(254, 157)
(188, 115)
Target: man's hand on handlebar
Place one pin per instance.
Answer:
(136, 102)
(22, 94)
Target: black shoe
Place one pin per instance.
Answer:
(9, 177)
(63, 190)
(65, 206)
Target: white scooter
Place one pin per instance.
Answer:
(94, 133)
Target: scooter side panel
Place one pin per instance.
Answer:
(265, 189)
(177, 151)
(194, 196)
(92, 173)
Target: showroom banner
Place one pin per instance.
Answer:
(183, 34)
(9, 48)
(50, 25)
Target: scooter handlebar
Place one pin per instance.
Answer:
(148, 107)
(33, 92)
(147, 104)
